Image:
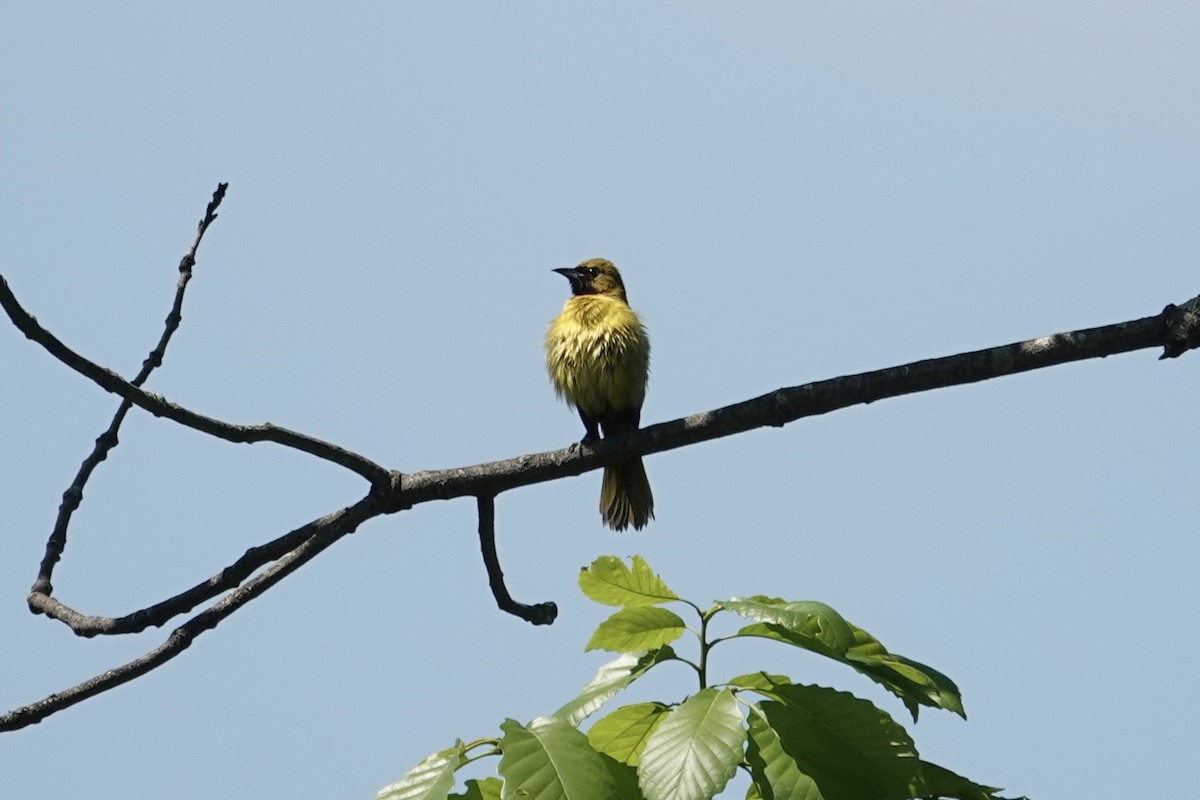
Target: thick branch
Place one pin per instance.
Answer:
(786, 405)
(1175, 328)
(1183, 328)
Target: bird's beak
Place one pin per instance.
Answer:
(577, 279)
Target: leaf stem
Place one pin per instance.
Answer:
(702, 669)
(493, 741)
(495, 751)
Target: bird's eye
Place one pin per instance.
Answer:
(591, 272)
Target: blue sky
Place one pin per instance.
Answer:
(794, 191)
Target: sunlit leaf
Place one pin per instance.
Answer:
(758, 680)
(913, 682)
(432, 779)
(769, 630)
(622, 734)
(811, 624)
(851, 749)
(551, 760)
(612, 678)
(637, 629)
(775, 773)
(610, 582)
(695, 750)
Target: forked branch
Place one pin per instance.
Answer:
(1177, 329)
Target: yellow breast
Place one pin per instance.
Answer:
(598, 355)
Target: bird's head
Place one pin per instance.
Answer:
(595, 276)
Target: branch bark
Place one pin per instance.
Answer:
(73, 495)
(157, 405)
(539, 614)
(790, 404)
(323, 533)
(1176, 329)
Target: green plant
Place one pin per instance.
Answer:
(797, 741)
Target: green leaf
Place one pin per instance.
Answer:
(610, 582)
(432, 779)
(805, 623)
(769, 630)
(695, 750)
(612, 678)
(913, 682)
(622, 734)
(637, 629)
(775, 773)
(551, 760)
(850, 748)
(941, 782)
(759, 681)
(626, 779)
(486, 789)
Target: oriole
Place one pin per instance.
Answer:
(598, 357)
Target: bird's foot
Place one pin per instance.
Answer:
(585, 443)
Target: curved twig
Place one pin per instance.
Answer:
(163, 612)
(325, 532)
(539, 614)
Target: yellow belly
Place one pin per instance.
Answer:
(598, 356)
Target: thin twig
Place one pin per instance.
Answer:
(326, 531)
(73, 495)
(162, 612)
(539, 614)
(40, 599)
(160, 407)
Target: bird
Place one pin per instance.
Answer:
(598, 358)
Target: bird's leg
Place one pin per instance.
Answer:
(621, 424)
(592, 428)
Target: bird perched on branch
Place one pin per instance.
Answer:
(598, 357)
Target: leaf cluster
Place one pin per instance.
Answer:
(796, 741)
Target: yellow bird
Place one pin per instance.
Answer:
(598, 357)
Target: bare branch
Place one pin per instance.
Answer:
(73, 495)
(1175, 329)
(324, 532)
(540, 614)
(40, 599)
(160, 407)
(486, 480)
(1183, 328)
(160, 613)
(786, 405)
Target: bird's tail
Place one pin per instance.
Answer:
(625, 496)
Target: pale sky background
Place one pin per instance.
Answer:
(794, 191)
